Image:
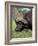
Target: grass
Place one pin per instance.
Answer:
(22, 34)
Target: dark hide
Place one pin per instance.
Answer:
(21, 25)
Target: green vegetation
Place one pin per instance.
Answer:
(22, 34)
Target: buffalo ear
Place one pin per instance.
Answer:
(16, 21)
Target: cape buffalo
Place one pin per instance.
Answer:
(24, 22)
